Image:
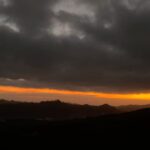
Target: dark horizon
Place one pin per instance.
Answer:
(57, 119)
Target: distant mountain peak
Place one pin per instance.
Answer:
(53, 101)
(106, 105)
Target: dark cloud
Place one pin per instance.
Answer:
(30, 16)
(100, 45)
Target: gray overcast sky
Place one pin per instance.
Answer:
(88, 45)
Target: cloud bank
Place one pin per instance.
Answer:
(98, 45)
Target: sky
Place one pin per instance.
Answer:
(80, 51)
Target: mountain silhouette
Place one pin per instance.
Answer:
(128, 108)
(130, 124)
(51, 110)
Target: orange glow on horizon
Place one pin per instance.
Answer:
(21, 90)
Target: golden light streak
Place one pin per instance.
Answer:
(21, 90)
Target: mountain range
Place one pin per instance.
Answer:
(58, 110)
(52, 110)
(129, 108)
(55, 119)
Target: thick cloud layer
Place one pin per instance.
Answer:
(98, 45)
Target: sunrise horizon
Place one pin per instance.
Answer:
(83, 51)
(80, 97)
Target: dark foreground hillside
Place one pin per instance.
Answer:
(121, 125)
(59, 120)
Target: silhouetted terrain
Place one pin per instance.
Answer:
(34, 120)
(111, 126)
(54, 110)
(128, 108)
